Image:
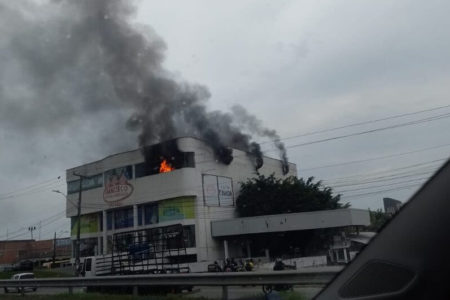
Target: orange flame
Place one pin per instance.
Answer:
(165, 167)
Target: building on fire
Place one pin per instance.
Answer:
(179, 181)
(182, 181)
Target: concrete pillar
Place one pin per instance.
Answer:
(105, 234)
(135, 216)
(345, 255)
(225, 248)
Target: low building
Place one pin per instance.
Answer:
(290, 234)
(13, 251)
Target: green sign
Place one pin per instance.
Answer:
(89, 224)
(176, 209)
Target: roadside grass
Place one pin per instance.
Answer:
(290, 295)
(94, 296)
(38, 273)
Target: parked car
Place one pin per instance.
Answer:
(21, 276)
(25, 265)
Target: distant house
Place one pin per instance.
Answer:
(345, 248)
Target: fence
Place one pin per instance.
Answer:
(316, 276)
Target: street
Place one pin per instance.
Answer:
(234, 292)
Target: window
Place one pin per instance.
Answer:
(189, 236)
(140, 215)
(148, 214)
(88, 183)
(109, 220)
(127, 171)
(73, 187)
(88, 247)
(183, 160)
(123, 218)
(100, 221)
(151, 214)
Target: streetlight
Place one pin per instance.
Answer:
(77, 242)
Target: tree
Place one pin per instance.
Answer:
(377, 219)
(269, 195)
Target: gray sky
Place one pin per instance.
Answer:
(299, 66)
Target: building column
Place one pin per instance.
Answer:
(345, 255)
(225, 248)
(105, 233)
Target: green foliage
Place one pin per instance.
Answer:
(292, 295)
(270, 195)
(377, 219)
(93, 296)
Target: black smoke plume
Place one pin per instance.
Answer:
(86, 57)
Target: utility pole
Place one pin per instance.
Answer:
(54, 248)
(31, 229)
(77, 242)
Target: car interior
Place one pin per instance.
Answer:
(410, 256)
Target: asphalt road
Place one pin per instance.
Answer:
(234, 292)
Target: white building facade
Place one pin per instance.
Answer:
(130, 191)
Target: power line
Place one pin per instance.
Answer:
(375, 158)
(359, 175)
(425, 120)
(383, 185)
(381, 191)
(31, 188)
(362, 123)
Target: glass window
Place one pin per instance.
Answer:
(92, 182)
(109, 220)
(88, 247)
(123, 218)
(100, 219)
(73, 187)
(127, 171)
(151, 214)
(88, 183)
(189, 236)
(139, 215)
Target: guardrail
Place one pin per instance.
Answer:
(313, 276)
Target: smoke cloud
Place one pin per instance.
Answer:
(66, 61)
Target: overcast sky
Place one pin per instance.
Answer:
(299, 66)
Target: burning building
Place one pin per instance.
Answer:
(181, 181)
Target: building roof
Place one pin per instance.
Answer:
(363, 237)
(291, 222)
